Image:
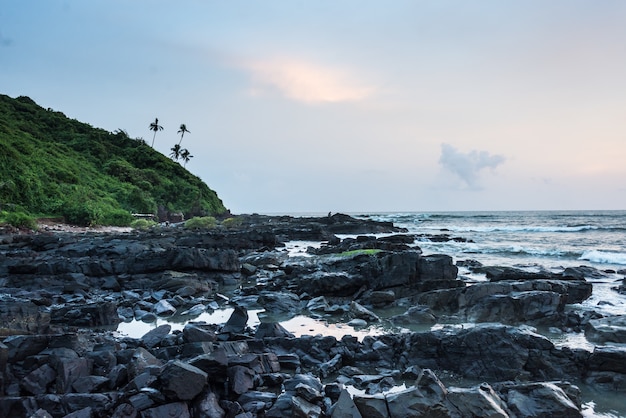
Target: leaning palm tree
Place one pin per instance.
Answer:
(181, 131)
(175, 154)
(154, 126)
(186, 156)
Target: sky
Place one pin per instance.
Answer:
(347, 106)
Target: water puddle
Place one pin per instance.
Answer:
(298, 325)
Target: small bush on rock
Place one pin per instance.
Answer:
(232, 222)
(142, 224)
(201, 222)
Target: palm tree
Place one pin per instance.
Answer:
(186, 156)
(175, 154)
(154, 126)
(181, 131)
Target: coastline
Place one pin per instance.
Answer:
(148, 273)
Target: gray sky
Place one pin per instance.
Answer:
(353, 106)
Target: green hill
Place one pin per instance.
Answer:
(51, 165)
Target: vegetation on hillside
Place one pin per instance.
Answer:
(55, 166)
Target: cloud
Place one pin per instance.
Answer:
(305, 82)
(467, 166)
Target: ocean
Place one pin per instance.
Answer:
(533, 239)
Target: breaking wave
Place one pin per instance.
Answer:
(604, 257)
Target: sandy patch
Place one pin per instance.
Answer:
(47, 226)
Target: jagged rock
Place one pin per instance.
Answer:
(415, 315)
(478, 401)
(331, 365)
(541, 302)
(214, 363)
(176, 409)
(69, 367)
(357, 323)
(487, 352)
(89, 384)
(207, 406)
(41, 413)
(237, 321)
(519, 307)
(317, 304)
(608, 329)
(272, 329)
(304, 409)
(256, 401)
(195, 310)
(542, 399)
(182, 381)
(242, 379)
(124, 410)
(372, 406)
(436, 267)
(279, 302)
(118, 376)
(345, 407)
(248, 269)
(308, 393)
(331, 283)
(359, 311)
(608, 359)
(163, 308)
(154, 337)
(199, 332)
(98, 402)
(81, 413)
(142, 361)
(37, 381)
(22, 346)
(379, 298)
(23, 316)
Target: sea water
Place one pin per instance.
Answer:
(551, 239)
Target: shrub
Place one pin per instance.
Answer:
(21, 220)
(85, 213)
(232, 222)
(117, 217)
(142, 224)
(201, 222)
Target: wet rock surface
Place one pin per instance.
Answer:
(60, 292)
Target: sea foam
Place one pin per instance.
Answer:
(604, 257)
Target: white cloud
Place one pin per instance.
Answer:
(305, 82)
(467, 166)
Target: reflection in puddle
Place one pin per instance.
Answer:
(299, 325)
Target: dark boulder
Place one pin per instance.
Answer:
(182, 381)
(542, 399)
(237, 322)
(608, 329)
(154, 337)
(175, 409)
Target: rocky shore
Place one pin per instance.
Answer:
(62, 293)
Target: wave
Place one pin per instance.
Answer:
(505, 251)
(520, 228)
(604, 257)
